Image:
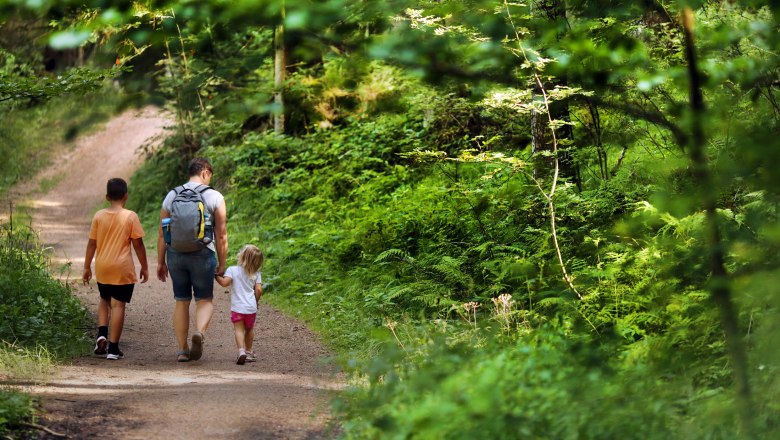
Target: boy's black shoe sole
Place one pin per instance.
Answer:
(100, 345)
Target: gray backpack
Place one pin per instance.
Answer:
(190, 225)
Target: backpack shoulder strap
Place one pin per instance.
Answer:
(205, 188)
(178, 189)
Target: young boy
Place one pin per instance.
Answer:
(113, 230)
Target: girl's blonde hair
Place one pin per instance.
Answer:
(250, 258)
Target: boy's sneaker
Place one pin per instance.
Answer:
(100, 345)
(115, 356)
(251, 357)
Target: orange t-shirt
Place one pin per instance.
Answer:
(113, 232)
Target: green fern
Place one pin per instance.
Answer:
(393, 255)
(449, 271)
(553, 301)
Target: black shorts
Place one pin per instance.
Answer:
(119, 292)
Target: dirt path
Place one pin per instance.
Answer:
(148, 395)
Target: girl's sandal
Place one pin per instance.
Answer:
(183, 356)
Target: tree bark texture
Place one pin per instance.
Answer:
(280, 61)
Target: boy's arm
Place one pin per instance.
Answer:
(90, 254)
(223, 280)
(140, 252)
(258, 291)
(162, 267)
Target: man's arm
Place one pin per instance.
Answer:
(140, 252)
(220, 228)
(162, 267)
(90, 254)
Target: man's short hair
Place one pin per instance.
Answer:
(116, 188)
(198, 165)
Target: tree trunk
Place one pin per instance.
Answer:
(720, 288)
(280, 62)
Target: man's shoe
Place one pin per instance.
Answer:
(196, 351)
(100, 345)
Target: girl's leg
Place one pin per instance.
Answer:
(249, 339)
(117, 320)
(240, 335)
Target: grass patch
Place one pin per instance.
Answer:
(25, 364)
(16, 408)
(47, 184)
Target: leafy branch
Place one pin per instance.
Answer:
(78, 80)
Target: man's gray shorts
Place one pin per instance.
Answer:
(192, 274)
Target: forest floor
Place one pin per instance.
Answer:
(148, 395)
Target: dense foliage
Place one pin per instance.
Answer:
(40, 310)
(41, 321)
(543, 220)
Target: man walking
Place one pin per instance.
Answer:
(192, 264)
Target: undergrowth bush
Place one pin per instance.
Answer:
(37, 309)
(544, 386)
(42, 322)
(15, 408)
(460, 384)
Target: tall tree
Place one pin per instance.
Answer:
(280, 62)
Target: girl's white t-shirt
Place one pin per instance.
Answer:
(242, 296)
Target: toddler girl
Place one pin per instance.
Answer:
(246, 290)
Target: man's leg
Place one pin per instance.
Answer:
(202, 268)
(181, 323)
(204, 310)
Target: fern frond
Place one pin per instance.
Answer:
(391, 255)
(552, 301)
(449, 270)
